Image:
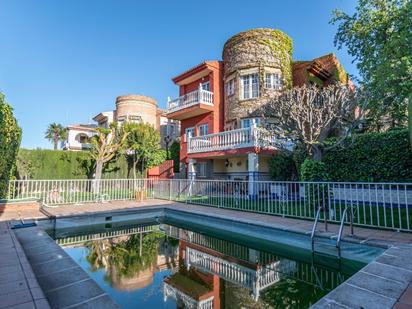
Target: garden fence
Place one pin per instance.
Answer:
(382, 205)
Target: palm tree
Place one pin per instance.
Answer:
(55, 133)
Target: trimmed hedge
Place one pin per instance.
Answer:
(59, 164)
(10, 137)
(373, 157)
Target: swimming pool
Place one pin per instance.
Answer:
(168, 259)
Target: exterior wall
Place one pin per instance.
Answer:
(137, 105)
(72, 142)
(214, 119)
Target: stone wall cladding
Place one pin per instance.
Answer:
(256, 48)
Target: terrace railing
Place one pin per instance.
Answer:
(190, 99)
(382, 205)
(233, 139)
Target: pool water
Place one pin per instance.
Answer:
(163, 265)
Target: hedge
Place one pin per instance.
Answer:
(374, 157)
(59, 164)
(10, 137)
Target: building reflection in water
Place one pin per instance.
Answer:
(204, 271)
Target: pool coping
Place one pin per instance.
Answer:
(380, 284)
(62, 281)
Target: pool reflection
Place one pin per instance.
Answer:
(197, 270)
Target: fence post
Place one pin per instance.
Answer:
(170, 189)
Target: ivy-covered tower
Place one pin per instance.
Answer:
(257, 65)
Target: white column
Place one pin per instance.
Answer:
(191, 170)
(253, 168)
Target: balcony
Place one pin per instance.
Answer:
(191, 104)
(235, 139)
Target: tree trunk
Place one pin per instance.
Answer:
(134, 166)
(55, 142)
(97, 176)
(317, 153)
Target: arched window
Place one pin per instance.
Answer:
(82, 138)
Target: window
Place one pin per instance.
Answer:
(201, 169)
(189, 132)
(248, 122)
(250, 86)
(206, 86)
(203, 129)
(134, 118)
(273, 81)
(230, 87)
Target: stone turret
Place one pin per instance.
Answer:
(129, 106)
(265, 55)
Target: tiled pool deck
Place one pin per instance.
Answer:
(384, 283)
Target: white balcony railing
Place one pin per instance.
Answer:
(190, 99)
(233, 139)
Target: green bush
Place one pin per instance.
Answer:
(10, 137)
(58, 164)
(282, 167)
(175, 155)
(374, 157)
(312, 170)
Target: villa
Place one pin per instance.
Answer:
(219, 101)
(129, 108)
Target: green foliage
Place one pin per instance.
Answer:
(58, 164)
(410, 119)
(175, 155)
(281, 46)
(379, 37)
(10, 137)
(372, 157)
(312, 170)
(282, 167)
(143, 145)
(55, 133)
(124, 255)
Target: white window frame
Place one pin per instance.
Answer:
(201, 169)
(187, 131)
(230, 87)
(273, 80)
(249, 86)
(248, 122)
(202, 127)
(206, 86)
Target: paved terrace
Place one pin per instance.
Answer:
(384, 283)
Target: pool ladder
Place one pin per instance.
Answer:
(340, 233)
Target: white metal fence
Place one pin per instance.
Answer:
(383, 205)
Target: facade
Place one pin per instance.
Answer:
(78, 136)
(219, 101)
(129, 108)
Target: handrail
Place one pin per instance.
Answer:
(342, 223)
(312, 235)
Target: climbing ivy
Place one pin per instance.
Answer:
(10, 137)
(281, 46)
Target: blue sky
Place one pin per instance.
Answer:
(65, 61)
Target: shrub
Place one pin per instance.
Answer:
(312, 170)
(385, 157)
(58, 164)
(10, 137)
(282, 167)
(175, 155)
